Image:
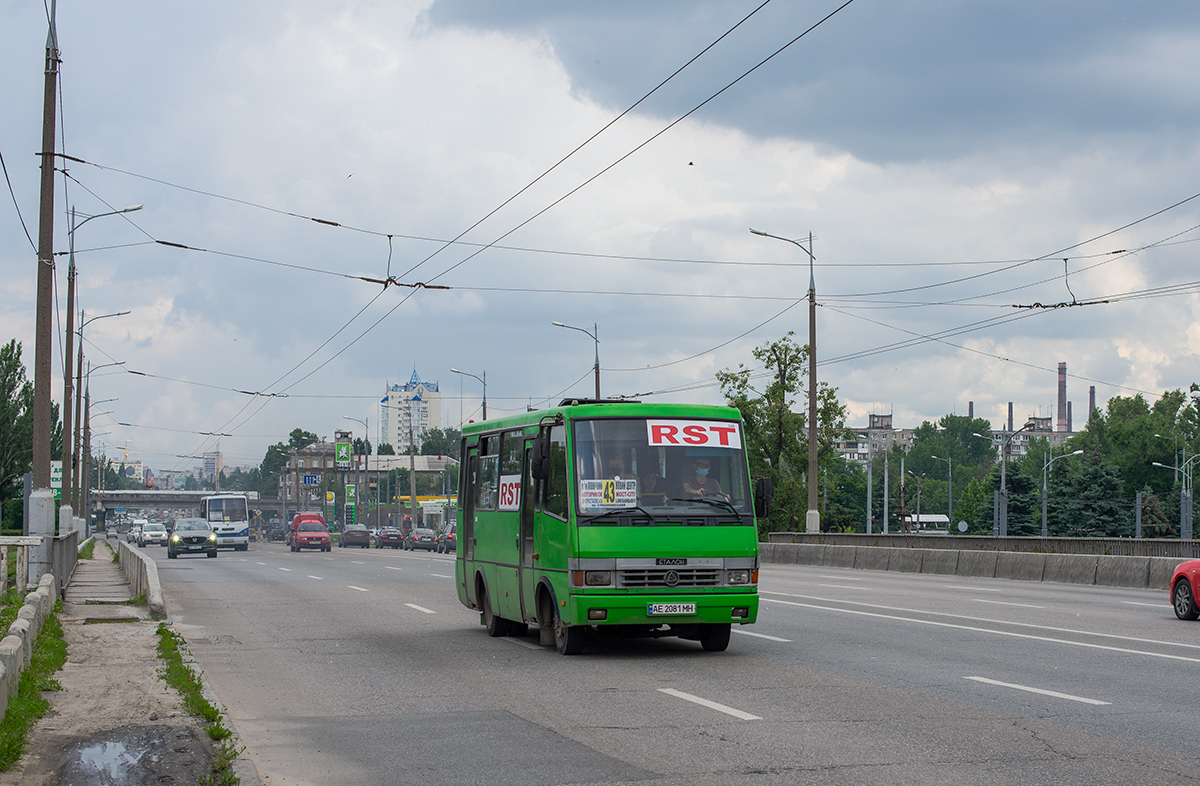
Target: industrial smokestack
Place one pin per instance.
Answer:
(1010, 424)
(1062, 397)
(1069, 416)
(1091, 400)
(971, 409)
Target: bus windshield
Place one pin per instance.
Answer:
(227, 509)
(666, 466)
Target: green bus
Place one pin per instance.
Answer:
(610, 518)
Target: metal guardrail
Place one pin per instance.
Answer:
(1121, 547)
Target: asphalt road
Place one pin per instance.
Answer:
(361, 667)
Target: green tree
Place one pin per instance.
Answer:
(441, 442)
(776, 435)
(300, 439)
(1087, 501)
(16, 420)
(385, 449)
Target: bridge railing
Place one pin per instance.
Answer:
(1121, 547)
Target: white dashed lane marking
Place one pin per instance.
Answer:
(360, 589)
(1039, 691)
(712, 705)
(420, 608)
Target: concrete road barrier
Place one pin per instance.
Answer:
(10, 658)
(1123, 571)
(943, 562)
(905, 560)
(868, 558)
(978, 564)
(809, 553)
(1161, 569)
(839, 556)
(1021, 566)
(1070, 568)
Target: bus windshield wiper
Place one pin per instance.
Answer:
(716, 503)
(617, 512)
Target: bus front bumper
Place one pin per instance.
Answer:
(663, 608)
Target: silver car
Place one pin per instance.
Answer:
(152, 533)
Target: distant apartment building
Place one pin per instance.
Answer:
(130, 468)
(411, 408)
(212, 465)
(878, 437)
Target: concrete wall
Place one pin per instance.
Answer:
(16, 648)
(1109, 571)
(142, 574)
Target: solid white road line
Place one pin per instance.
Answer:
(1006, 603)
(839, 578)
(712, 705)
(318, 578)
(360, 589)
(762, 636)
(1151, 605)
(981, 619)
(420, 608)
(843, 586)
(973, 589)
(441, 575)
(392, 567)
(996, 632)
(289, 570)
(1039, 691)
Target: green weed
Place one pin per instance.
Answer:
(49, 655)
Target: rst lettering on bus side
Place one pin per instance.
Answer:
(694, 433)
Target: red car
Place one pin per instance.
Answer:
(1185, 585)
(308, 531)
(389, 537)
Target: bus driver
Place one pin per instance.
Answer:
(700, 484)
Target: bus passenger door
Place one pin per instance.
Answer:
(527, 579)
(468, 507)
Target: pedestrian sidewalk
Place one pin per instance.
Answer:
(115, 720)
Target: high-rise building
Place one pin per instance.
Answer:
(414, 407)
(212, 465)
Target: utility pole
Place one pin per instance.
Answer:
(66, 508)
(412, 468)
(813, 517)
(41, 498)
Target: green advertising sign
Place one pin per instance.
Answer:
(341, 455)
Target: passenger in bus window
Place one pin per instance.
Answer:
(700, 484)
(653, 489)
(616, 468)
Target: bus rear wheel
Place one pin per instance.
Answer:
(715, 638)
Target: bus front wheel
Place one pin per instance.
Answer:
(496, 626)
(568, 639)
(715, 638)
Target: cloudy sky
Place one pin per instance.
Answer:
(951, 160)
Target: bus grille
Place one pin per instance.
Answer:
(637, 578)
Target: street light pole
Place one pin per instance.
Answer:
(1000, 525)
(483, 380)
(595, 336)
(1051, 458)
(812, 520)
(1185, 496)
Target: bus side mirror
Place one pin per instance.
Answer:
(762, 497)
(537, 458)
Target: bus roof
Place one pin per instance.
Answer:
(587, 408)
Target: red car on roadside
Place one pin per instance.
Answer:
(1185, 586)
(308, 531)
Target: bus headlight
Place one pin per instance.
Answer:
(597, 578)
(740, 576)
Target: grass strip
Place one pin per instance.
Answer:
(87, 551)
(180, 676)
(49, 655)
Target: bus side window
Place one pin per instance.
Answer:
(556, 478)
(487, 490)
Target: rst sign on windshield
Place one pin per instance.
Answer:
(694, 433)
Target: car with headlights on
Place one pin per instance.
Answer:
(153, 532)
(355, 535)
(421, 538)
(192, 536)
